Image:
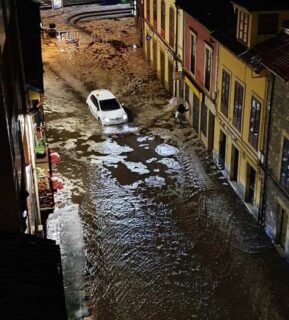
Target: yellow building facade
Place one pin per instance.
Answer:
(239, 129)
(163, 40)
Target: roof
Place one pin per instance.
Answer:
(263, 5)
(273, 54)
(212, 14)
(229, 41)
(31, 284)
(103, 94)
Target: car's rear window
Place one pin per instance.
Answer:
(109, 105)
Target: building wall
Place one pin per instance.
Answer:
(255, 37)
(196, 80)
(171, 53)
(254, 84)
(279, 128)
(203, 38)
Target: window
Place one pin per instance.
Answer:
(148, 10)
(94, 101)
(172, 28)
(204, 119)
(163, 19)
(193, 52)
(225, 92)
(281, 235)
(155, 13)
(238, 105)
(268, 23)
(208, 67)
(243, 27)
(284, 177)
(254, 122)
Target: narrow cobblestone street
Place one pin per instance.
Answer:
(148, 226)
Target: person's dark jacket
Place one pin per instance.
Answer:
(181, 108)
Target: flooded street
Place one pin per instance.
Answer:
(148, 226)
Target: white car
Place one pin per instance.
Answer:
(105, 107)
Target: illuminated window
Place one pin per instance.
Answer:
(208, 67)
(238, 105)
(243, 27)
(254, 122)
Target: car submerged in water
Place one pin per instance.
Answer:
(105, 107)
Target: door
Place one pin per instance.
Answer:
(149, 51)
(211, 132)
(155, 55)
(222, 149)
(234, 164)
(250, 184)
(171, 79)
(162, 68)
(196, 112)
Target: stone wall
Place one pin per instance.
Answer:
(279, 125)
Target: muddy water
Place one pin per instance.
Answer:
(164, 235)
(148, 227)
(166, 238)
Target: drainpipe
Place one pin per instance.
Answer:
(176, 46)
(262, 210)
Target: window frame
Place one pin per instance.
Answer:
(238, 105)
(172, 27)
(193, 36)
(163, 18)
(254, 125)
(243, 27)
(225, 92)
(155, 14)
(210, 50)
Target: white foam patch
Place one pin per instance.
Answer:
(145, 138)
(106, 160)
(151, 160)
(170, 163)
(136, 167)
(124, 128)
(134, 186)
(166, 150)
(155, 181)
(107, 147)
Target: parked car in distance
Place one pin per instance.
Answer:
(105, 107)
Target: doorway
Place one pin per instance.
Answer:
(222, 149)
(234, 164)
(196, 112)
(155, 56)
(250, 184)
(211, 132)
(171, 78)
(162, 68)
(149, 51)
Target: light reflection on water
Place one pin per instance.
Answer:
(170, 250)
